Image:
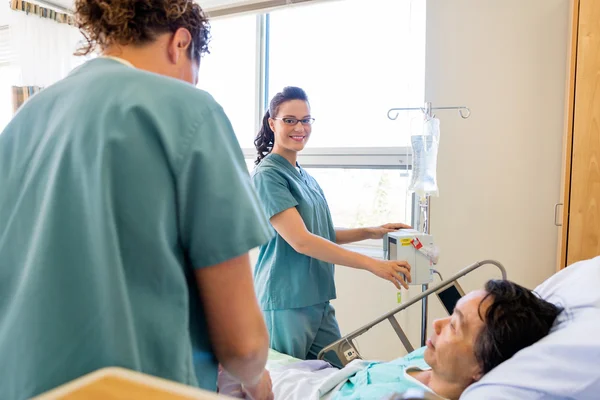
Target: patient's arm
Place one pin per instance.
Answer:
(236, 326)
(291, 227)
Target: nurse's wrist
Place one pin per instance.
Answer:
(366, 262)
(254, 383)
(369, 233)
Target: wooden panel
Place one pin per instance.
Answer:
(584, 211)
(122, 384)
(568, 140)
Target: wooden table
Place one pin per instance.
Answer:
(122, 384)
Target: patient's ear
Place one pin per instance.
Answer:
(477, 376)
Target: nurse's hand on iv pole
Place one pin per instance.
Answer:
(263, 390)
(393, 271)
(378, 232)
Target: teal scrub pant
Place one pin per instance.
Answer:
(303, 332)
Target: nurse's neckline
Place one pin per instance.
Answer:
(118, 59)
(282, 160)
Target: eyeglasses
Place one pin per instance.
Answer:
(293, 121)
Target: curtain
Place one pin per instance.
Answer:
(42, 47)
(42, 44)
(21, 94)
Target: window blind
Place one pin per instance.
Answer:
(6, 56)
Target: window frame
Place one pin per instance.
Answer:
(399, 158)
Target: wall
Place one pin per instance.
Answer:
(4, 10)
(499, 170)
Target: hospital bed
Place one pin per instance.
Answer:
(563, 365)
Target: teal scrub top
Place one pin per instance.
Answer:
(283, 277)
(115, 185)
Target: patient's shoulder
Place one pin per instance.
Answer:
(415, 358)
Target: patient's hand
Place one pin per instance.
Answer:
(263, 390)
(379, 231)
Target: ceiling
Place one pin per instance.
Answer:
(206, 4)
(62, 5)
(68, 4)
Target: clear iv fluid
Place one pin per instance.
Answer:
(424, 165)
(424, 160)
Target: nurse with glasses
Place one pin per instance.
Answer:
(294, 275)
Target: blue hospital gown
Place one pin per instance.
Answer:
(115, 185)
(382, 379)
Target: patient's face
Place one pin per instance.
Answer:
(450, 349)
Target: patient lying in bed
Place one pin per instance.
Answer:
(487, 327)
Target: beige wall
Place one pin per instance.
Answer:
(499, 170)
(4, 10)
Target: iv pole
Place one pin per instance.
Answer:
(424, 202)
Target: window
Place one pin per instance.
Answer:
(364, 197)
(360, 158)
(8, 75)
(351, 78)
(228, 73)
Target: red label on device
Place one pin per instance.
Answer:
(416, 243)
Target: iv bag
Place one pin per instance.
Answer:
(424, 159)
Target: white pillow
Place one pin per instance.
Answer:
(564, 364)
(577, 286)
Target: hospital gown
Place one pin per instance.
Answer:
(379, 380)
(360, 379)
(115, 184)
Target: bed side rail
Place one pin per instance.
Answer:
(346, 351)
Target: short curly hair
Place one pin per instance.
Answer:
(516, 318)
(104, 23)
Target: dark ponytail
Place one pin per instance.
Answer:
(265, 139)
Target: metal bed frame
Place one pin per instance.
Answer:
(345, 349)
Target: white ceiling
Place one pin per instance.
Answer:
(4, 13)
(205, 4)
(219, 3)
(68, 4)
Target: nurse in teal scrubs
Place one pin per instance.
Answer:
(127, 214)
(294, 275)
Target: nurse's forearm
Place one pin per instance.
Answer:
(238, 333)
(249, 370)
(322, 249)
(343, 236)
(290, 226)
(292, 229)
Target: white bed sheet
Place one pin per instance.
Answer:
(311, 380)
